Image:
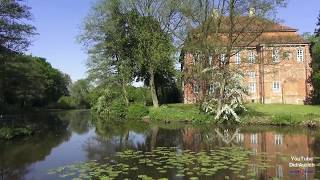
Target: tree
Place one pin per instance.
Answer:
(220, 29)
(154, 51)
(124, 45)
(15, 35)
(108, 37)
(80, 91)
(315, 53)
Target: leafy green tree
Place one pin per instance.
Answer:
(108, 37)
(154, 51)
(80, 92)
(15, 34)
(315, 53)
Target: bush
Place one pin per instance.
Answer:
(137, 111)
(9, 133)
(110, 104)
(66, 102)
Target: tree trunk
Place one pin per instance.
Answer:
(125, 93)
(220, 98)
(153, 89)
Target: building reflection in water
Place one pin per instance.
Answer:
(278, 147)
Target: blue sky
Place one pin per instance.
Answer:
(58, 23)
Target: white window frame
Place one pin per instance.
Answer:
(211, 89)
(252, 87)
(275, 55)
(279, 171)
(238, 57)
(278, 139)
(222, 58)
(196, 88)
(240, 138)
(210, 60)
(254, 138)
(276, 86)
(252, 57)
(252, 74)
(300, 54)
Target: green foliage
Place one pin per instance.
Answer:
(31, 82)
(139, 95)
(80, 91)
(315, 76)
(10, 133)
(67, 102)
(110, 104)
(137, 111)
(14, 29)
(178, 112)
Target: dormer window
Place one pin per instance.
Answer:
(300, 54)
(275, 55)
(238, 58)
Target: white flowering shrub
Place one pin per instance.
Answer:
(231, 97)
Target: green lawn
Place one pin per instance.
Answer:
(273, 114)
(177, 112)
(280, 109)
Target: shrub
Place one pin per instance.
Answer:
(110, 104)
(9, 133)
(137, 111)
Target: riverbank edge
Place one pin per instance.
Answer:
(256, 114)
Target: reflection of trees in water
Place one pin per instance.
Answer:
(114, 136)
(209, 137)
(16, 156)
(79, 121)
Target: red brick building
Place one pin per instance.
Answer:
(276, 68)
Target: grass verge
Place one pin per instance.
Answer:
(257, 114)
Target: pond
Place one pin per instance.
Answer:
(70, 145)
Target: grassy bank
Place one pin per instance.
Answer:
(271, 114)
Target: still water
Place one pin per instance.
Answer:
(71, 145)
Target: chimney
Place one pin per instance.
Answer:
(252, 12)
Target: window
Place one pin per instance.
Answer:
(276, 86)
(278, 139)
(238, 58)
(279, 171)
(252, 87)
(299, 54)
(275, 55)
(210, 60)
(240, 138)
(254, 138)
(252, 57)
(211, 89)
(222, 58)
(196, 89)
(252, 74)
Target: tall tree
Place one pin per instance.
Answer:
(154, 51)
(108, 38)
(15, 33)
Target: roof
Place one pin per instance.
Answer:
(252, 31)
